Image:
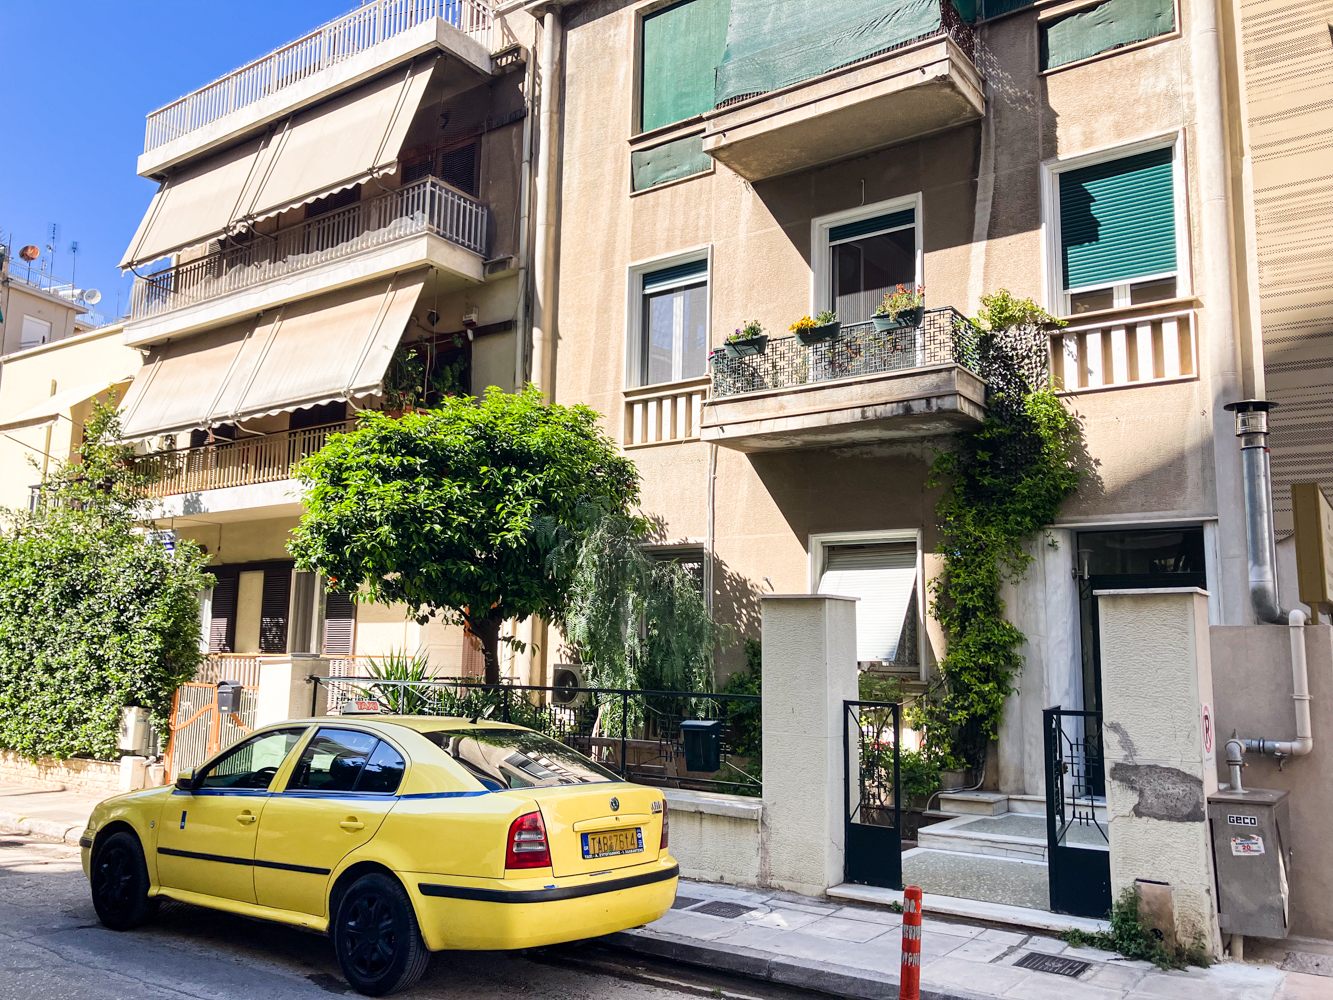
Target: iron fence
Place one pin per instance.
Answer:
(944, 337)
(635, 733)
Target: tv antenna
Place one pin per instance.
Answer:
(73, 263)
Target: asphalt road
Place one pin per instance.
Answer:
(51, 946)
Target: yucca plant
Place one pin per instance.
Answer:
(401, 699)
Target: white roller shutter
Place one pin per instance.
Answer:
(883, 577)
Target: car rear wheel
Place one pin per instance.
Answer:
(120, 883)
(376, 937)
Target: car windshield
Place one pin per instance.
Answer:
(517, 758)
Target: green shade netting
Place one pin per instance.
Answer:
(668, 162)
(682, 46)
(994, 8)
(775, 43)
(1104, 27)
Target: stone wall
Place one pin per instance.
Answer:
(90, 777)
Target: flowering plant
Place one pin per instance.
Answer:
(901, 299)
(750, 329)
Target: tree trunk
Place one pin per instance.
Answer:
(487, 631)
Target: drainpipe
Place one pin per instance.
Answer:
(544, 264)
(1300, 696)
(521, 332)
(1252, 429)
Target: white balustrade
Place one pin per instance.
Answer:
(660, 414)
(1149, 348)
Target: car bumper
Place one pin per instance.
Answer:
(503, 914)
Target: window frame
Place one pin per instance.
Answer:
(634, 275)
(819, 543)
(821, 268)
(1057, 296)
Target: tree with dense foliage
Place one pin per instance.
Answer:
(96, 614)
(441, 510)
(1003, 482)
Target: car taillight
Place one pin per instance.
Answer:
(666, 826)
(527, 843)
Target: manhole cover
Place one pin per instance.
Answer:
(684, 901)
(1053, 964)
(718, 908)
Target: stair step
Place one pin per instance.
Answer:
(972, 803)
(935, 838)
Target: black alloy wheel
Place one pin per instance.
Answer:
(376, 937)
(120, 883)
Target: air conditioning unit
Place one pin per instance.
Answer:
(571, 687)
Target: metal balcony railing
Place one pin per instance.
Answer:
(17, 270)
(331, 43)
(944, 337)
(262, 459)
(425, 206)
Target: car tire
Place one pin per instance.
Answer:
(119, 881)
(376, 937)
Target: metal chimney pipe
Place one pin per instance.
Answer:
(1252, 429)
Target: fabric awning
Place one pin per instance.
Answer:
(317, 152)
(334, 346)
(49, 410)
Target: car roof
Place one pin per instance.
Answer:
(417, 723)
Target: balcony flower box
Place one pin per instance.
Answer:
(901, 308)
(902, 321)
(823, 327)
(748, 341)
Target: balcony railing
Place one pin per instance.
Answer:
(265, 459)
(340, 39)
(944, 337)
(1153, 347)
(425, 206)
(663, 413)
(47, 282)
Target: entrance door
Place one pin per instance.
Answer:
(874, 816)
(206, 843)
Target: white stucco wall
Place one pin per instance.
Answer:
(716, 838)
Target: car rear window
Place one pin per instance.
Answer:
(517, 758)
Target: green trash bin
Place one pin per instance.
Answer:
(703, 744)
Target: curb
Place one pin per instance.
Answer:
(49, 829)
(839, 980)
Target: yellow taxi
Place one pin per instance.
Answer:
(397, 836)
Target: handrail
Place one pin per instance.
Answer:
(266, 458)
(330, 43)
(425, 206)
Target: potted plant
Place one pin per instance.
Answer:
(750, 339)
(823, 327)
(902, 307)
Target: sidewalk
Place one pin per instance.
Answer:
(845, 948)
(853, 950)
(58, 815)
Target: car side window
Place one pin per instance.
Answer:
(332, 761)
(383, 772)
(253, 763)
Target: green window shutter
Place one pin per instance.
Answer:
(670, 276)
(682, 46)
(669, 162)
(1118, 220)
(879, 224)
(994, 8)
(1107, 26)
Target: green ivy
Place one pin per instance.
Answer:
(1003, 482)
(95, 613)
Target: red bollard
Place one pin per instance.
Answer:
(909, 987)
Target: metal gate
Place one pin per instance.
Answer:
(1078, 847)
(198, 729)
(870, 734)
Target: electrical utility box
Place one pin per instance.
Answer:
(1252, 858)
(133, 730)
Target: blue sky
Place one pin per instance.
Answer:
(80, 75)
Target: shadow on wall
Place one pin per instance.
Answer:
(736, 600)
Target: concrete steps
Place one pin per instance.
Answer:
(954, 835)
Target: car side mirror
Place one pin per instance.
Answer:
(185, 781)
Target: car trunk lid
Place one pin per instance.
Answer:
(621, 822)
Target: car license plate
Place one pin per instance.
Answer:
(609, 843)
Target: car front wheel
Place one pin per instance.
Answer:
(120, 883)
(376, 937)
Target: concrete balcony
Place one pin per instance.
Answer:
(864, 387)
(930, 85)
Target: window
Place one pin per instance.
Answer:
(671, 161)
(1117, 225)
(35, 331)
(517, 758)
(670, 341)
(342, 760)
(860, 255)
(254, 763)
(883, 577)
(1107, 26)
(681, 49)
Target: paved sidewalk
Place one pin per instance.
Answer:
(38, 812)
(853, 950)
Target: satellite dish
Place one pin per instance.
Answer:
(30, 253)
(92, 296)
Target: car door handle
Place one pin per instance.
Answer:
(246, 817)
(351, 824)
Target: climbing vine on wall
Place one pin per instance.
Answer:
(1003, 482)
